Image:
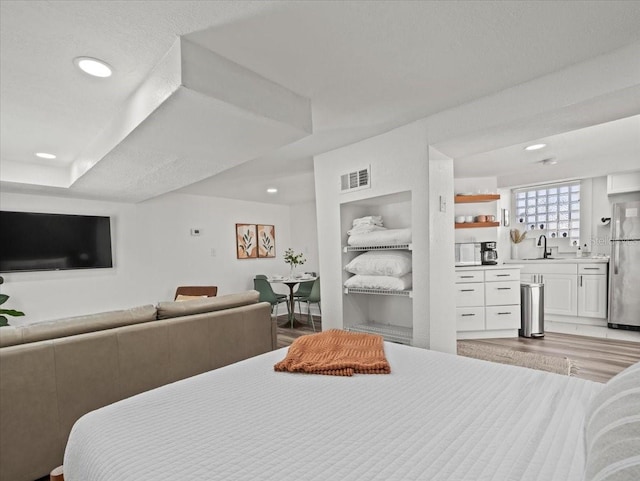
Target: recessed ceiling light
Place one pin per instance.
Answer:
(535, 147)
(93, 66)
(550, 161)
(44, 155)
(272, 190)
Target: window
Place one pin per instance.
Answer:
(552, 209)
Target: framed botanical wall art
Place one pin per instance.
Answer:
(246, 242)
(266, 241)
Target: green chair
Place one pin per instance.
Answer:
(261, 276)
(313, 298)
(303, 291)
(267, 294)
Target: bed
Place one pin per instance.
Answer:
(435, 417)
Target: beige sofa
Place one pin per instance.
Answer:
(54, 372)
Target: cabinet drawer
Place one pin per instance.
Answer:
(470, 319)
(502, 275)
(592, 268)
(503, 317)
(501, 293)
(469, 276)
(469, 295)
(543, 267)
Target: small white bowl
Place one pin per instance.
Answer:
(459, 219)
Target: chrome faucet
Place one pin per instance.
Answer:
(546, 254)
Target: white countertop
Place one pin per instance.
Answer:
(561, 260)
(489, 267)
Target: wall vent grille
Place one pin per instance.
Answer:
(356, 180)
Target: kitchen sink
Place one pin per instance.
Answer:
(538, 258)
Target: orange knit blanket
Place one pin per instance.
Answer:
(336, 353)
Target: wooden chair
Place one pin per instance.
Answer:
(209, 291)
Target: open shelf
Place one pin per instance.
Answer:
(473, 225)
(377, 292)
(469, 199)
(385, 247)
(399, 334)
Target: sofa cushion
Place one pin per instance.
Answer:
(10, 336)
(167, 310)
(89, 323)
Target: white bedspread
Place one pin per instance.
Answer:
(436, 417)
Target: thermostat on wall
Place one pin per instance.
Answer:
(195, 231)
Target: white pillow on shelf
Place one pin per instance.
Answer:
(385, 283)
(381, 263)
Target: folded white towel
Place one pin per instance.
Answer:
(368, 220)
(364, 229)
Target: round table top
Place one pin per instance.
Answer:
(291, 280)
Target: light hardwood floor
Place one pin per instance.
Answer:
(596, 359)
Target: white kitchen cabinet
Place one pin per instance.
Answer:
(560, 286)
(498, 293)
(571, 289)
(560, 294)
(470, 318)
(470, 294)
(502, 317)
(592, 290)
(487, 302)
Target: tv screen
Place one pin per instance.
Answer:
(32, 241)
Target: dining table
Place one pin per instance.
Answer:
(291, 283)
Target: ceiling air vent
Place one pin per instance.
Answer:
(356, 180)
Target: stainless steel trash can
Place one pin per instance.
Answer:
(531, 309)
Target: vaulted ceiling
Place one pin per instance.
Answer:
(226, 98)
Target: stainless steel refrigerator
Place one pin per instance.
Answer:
(624, 268)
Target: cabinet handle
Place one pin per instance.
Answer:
(591, 268)
(466, 277)
(503, 313)
(504, 288)
(503, 275)
(467, 290)
(467, 315)
(580, 281)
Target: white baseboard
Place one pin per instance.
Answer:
(591, 331)
(461, 335)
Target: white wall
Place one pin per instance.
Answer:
(477, 185)
(304, 235)
(153, 253)
(399, 162)
(601, 206)
(594, 204)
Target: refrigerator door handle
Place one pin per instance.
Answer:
(615, 254)
(615, 222)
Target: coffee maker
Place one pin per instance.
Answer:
(489, 253)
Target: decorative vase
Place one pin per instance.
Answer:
(514, 251)
(291, 272)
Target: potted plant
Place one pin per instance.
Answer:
(294, 260)
(6, 312)
(516, 238)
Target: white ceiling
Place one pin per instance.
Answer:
(590, 152)
(365, 67)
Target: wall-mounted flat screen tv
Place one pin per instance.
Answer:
(33, 241)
